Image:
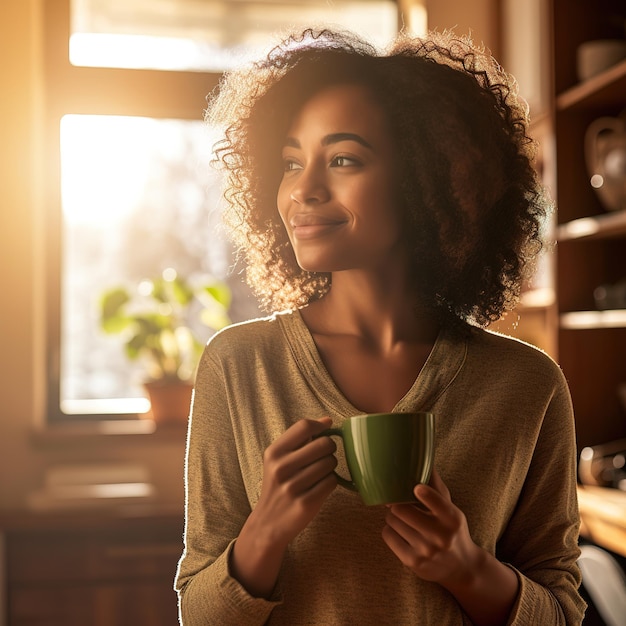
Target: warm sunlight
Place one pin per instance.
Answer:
(110, 164)
(104, 164)
(213, 35)
(139, 196)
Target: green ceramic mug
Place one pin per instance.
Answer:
(387, 454)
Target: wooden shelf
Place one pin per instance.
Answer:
(580, 320)
(597, 92)
(591, 242)
(594, 227)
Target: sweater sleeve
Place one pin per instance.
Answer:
(541, 539)
(216, 507)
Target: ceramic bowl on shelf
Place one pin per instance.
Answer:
(605, 155)
(593, 57)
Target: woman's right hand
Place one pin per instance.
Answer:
(297, 478)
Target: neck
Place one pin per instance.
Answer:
(378, 308)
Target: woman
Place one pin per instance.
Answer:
(388, 211)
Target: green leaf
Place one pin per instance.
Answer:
(219, 292)
(134, 347)
(181, 291)
(159, 290)
(112, 302)
(116, 325)
(155, 324)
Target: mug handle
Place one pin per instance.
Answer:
(344, 482)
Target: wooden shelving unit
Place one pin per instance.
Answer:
(594, 227)
(591, 248)
(598, 91)
(578, 320)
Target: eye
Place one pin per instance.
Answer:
(343, 161)
(289, 165)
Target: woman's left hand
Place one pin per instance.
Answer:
(432, 540)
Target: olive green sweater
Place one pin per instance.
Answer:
(504, 446)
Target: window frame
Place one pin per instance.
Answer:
(69, 89)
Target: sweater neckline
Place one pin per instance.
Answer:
(443, 364)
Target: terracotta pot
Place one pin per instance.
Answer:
(169, 401)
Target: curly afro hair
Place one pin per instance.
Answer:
(471, 202)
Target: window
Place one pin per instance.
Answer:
(211, 35)
(131, 192)
(128, 215)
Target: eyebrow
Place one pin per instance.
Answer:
(327, 140)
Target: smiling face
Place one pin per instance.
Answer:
(336, 197)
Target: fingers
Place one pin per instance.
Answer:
(434, 541)
(310, 475)
(438, 519)
(415, 526)
(435, 496)
(438, 485)
(299, 433)
(320, 490)
(408, 552)
(295, 462)
(292, 455)
(297, 478)
(407, 531)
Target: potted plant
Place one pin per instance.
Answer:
(158, 320)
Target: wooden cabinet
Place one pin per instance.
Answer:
(591, 249)
(89, 569)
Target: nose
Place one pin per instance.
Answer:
(309, 188)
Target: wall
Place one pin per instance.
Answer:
(23, 455)
(19, 203)
(480, 18)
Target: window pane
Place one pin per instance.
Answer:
(210, 35)
(139, 196)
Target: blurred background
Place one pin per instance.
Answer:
(105, 187)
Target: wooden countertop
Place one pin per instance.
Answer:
(603, 517)
(602, 512)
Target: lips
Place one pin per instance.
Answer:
(311, 225)
(313, 219)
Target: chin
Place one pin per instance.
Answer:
(316, 263)
(334, 263)
(317, 268)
